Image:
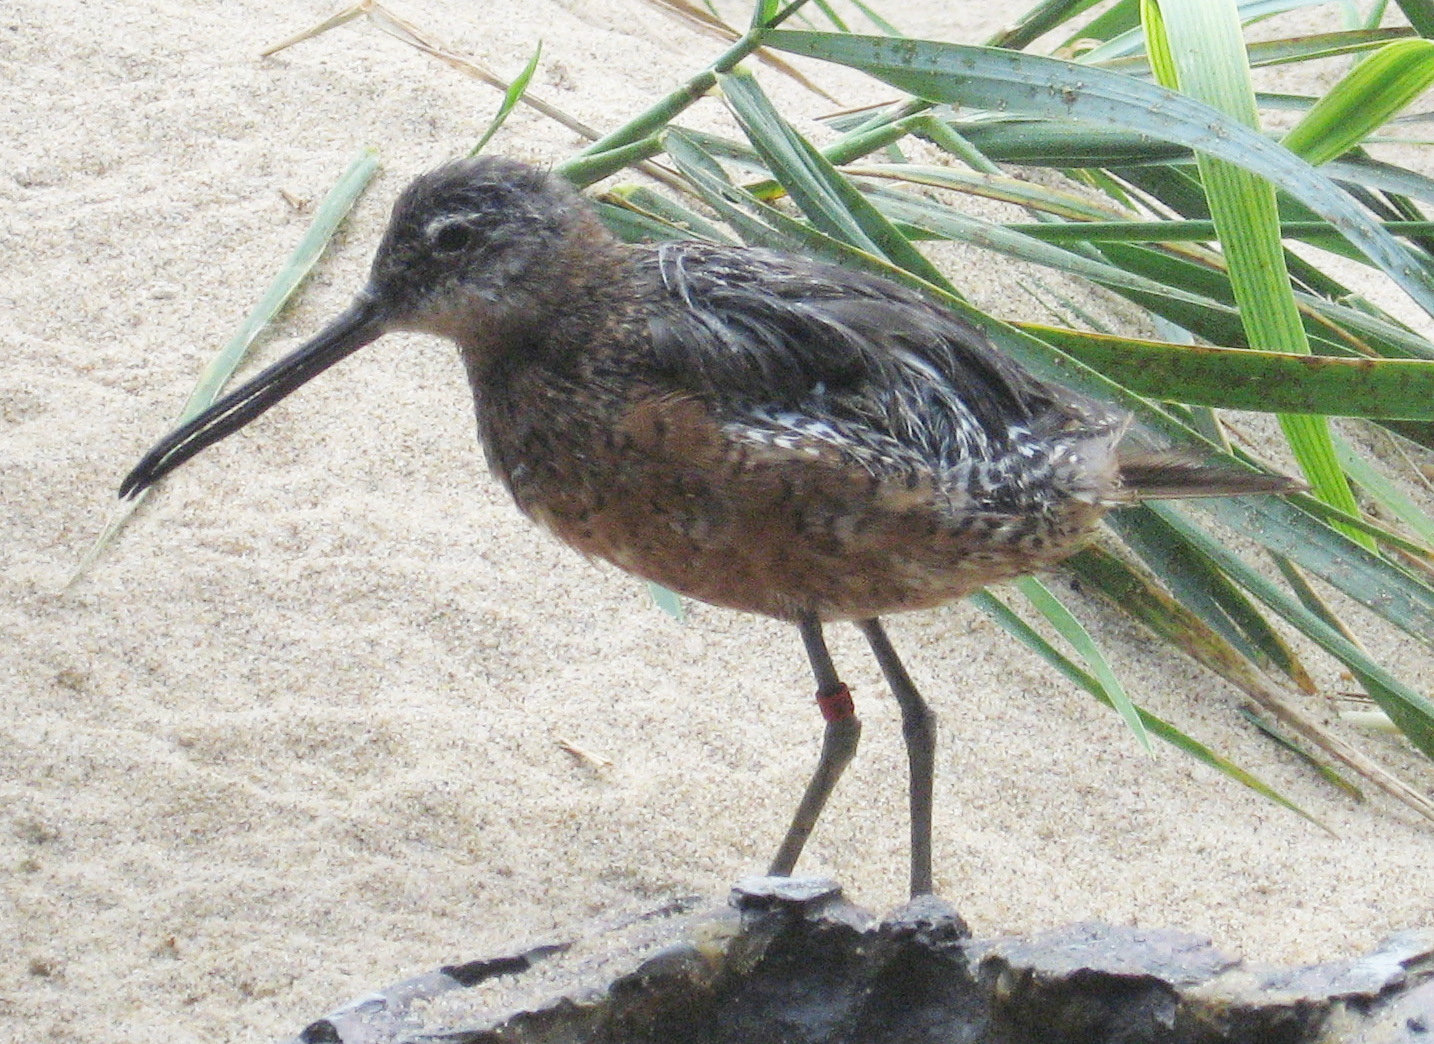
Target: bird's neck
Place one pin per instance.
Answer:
(547, 320)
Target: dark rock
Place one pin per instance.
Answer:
(793, 962)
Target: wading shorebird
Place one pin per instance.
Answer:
(747, 428)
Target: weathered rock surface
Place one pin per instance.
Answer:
(792, 962)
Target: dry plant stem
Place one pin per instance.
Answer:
(1305, 592)
(1414, 562)
(408, 33)
(705, 22)
(584, 755)
(1217, 656)
(665, 111)
(1280, 708)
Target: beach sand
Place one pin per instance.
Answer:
(298, 733)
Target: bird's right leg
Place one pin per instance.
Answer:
(918, 725)
(838, 746)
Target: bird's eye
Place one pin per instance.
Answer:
(451, 237)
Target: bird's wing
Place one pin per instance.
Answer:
(805, 346)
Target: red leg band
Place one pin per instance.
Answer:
(836, 705)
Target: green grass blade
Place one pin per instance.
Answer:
(587, 167)
(946, 222)
(828, 199)
(1199, 588)
(1062, 143)
(1080, 209)
(792, 166)
(1034, 85)
(327, 218)
(1182, 231)
(1310, 598)
(1269, 521)
(1384, 177)
(511, 97)
(1106, 27)
(1244, 379)
(1128, 590)
(1318, 549)
(1369, 96)
(1210, 65)
(1382, 535)
(632, 224)
(1157, 727)
(761, 224)
(1420, 14)
(1384, 492)
(677, 220)
(1340, 329)
(1071, 629)
(876, 19)
(1320, 45)
(1413, 713)
(1283, 52)
(1132, 40)
(1327, 773)
(1045, 17)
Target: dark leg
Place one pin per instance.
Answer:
(838, 746)
(918, 725)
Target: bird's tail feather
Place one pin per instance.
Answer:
(1173, 475)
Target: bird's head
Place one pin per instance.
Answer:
(464, 256)
(470, 245)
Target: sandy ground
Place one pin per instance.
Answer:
(298, 734)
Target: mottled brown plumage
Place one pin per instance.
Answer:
(751, 429)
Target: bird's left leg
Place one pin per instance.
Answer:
(838, 747)
(918, 726)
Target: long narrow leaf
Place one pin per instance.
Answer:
(1368, 96)
(1111, 578)
(761, 224)
(1179, 231)
(511, 97)
(1270, 521)
(1413, 713)
(327, 218)
(1210, 65)
(949, 223)
(1161, 729)
(832, 203)
(1285, 51)
(1071, 629)
(1243, 379)
(1201, 589)
(1003, 81)
(1389, 496)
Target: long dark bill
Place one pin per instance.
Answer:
(361, 323)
